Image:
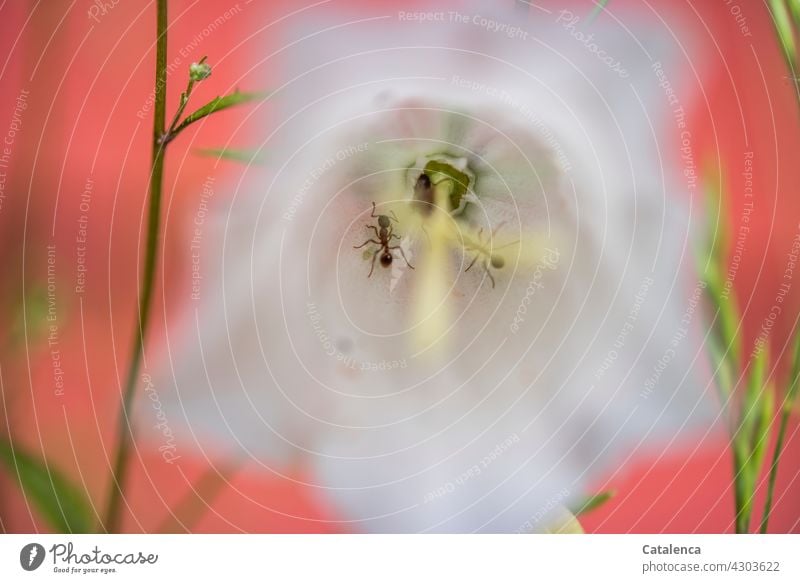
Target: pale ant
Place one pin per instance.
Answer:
(485, 251)
(385, 235)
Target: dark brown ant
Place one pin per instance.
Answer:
(385, 235)
(486, 252)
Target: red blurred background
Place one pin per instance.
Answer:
(86, 80)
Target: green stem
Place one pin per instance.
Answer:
(181, 106)
(125, 434)
(740, 490)
(773, 470)
(786, 21)
(786, 411)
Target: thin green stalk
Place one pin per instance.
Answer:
(182, 104)
(773, 470)
(786, 411)
(739, 495)
(785, 21)
(120, 470)
(600, 5)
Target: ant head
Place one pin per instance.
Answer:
(384, 221)
(498, 262)
(386, 259)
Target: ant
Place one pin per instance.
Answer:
(385, 235)
(486, 251)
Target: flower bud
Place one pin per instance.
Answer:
(199, 71)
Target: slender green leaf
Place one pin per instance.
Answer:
(755, 387)
(725, 342)
(195, 503)
(794, 8)
(234, 155)
(751, 459)
(794, 375)
(751, 439)
(726, 354)
(61, 503)
(593, 502)
(600, 5)
(786, 412)
(727, 323)
(219, 104)
(726, 375)
(761, 431)
(742, 498)
(783, 26)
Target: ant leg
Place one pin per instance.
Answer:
(403, 254)
(374, 228)
(506, 245)
(374, 256)
(367, 242)
(497, 227)
(489, 273)
(474, 259)
(398, 237)
(394, 217)
(491, 237)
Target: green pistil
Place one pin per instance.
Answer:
(439, 172)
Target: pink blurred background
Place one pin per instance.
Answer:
(86, 80)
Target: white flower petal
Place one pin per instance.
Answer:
(536, 385)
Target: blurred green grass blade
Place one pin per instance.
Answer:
(715, 207)
(233, 155)
(219, 104)
(761, 430)
(725, 375)
(593, 502)
(64, 506)
(783, 26)
(789, 400)
(754, 389)
(600, 5)
(794, 7)
(742, 497)
(752, 457)
(794, 375)
(752, 436)
(198, 499)
(726, 325)
(711, 262)
(724, 344)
